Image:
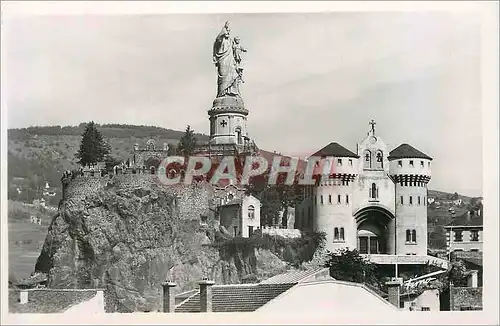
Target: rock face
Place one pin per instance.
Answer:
(129, 236)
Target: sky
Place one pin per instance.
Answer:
(310, 79)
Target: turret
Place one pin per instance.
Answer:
(332, 198)
(410, 169)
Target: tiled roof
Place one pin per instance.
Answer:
(295, 276)
(269, 156)
(48, 301)
(465, 220)
(236, 298)
(407, 151)
(336, 150)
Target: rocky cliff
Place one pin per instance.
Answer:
(128, 234)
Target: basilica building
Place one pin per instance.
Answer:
(374, 200)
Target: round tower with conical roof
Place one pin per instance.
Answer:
(410, 169)
(333, 196)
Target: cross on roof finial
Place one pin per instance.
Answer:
(372, 123)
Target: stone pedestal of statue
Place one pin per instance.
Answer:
(228, 121)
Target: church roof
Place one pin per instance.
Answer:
(336, 150)
(407, 151)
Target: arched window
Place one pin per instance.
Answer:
(336, 234)
(251, 212)
(413, 236)
(408, 236)
(379, 161)
(152, 170)
(367, 157)
(238, 135)
(342, 234)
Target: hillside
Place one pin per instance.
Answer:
(37, 155)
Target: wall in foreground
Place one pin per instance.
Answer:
(466, 298)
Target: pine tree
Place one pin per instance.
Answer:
(93, 148)
(187, 142)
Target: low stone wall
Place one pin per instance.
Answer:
(285, 233)
(194, 199)
(466, 298)
(82, 185)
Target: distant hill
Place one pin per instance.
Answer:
(37, 155)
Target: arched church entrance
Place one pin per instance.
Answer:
(372, 230)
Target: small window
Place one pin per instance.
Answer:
(321, 199)
(411, 236)
(426, 309)
(458, 236)
(474, 235)
(350, 162)
(474, 250)
(422, 164)
(418, 200)
(347, 199)
(339, 162)
(339, 201)
(429, 164)
(342, 234)
(400, 164)
(336, 234)
(251, 212)
(373, 191)
(329, 199)
(401, 200)
(411, 200)
(411, 163)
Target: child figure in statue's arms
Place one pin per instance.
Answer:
(237, 51)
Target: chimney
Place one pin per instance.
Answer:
(206, 295)
(393, 291)
(23, 296)
(168, 296)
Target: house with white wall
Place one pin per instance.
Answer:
(240, 216)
